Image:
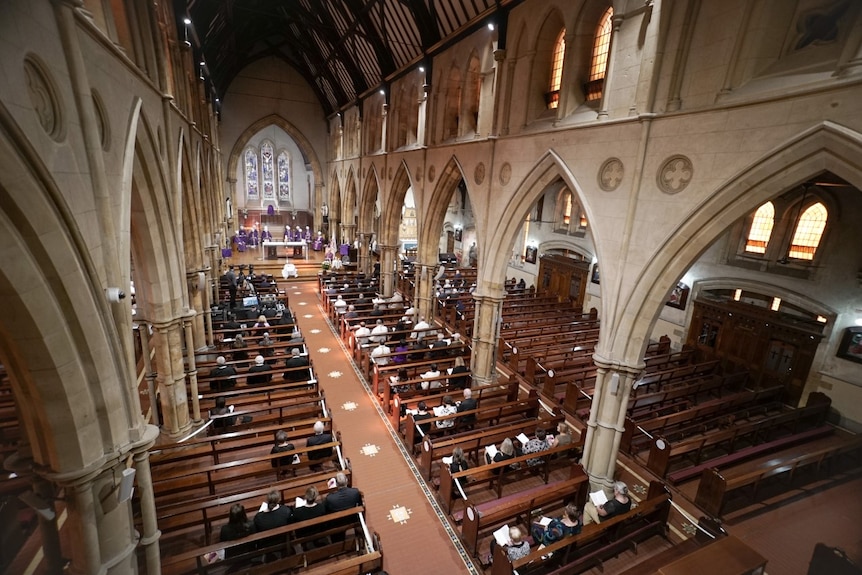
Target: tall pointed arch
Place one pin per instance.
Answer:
(392, 210)
(434, 214)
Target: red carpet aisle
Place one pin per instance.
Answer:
(414, 538)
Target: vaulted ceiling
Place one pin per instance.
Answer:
(344, 48)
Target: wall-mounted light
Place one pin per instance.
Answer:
(491, 26)
(776, 303)
(821, 319)
(187, 20)
(737, 295)
(422, 68)
(382, 92)
(859, 321)
(583, 221)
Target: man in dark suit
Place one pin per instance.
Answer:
(230, 278)
(223, 373)
(232, 325)
(259, 366)
(319, 438)
(296, 361)
(467, 404)
(343, 497)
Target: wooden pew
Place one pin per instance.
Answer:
(492, 475)
(715, 487)
(520, 506)
(596, 542)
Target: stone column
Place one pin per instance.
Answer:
(196, 280)
(607, 416)
(48, 528)
(364, 253)
(486, 332)
(171, 376)
(150, 536)
(499, 58)
(192, 369)
(609, 72)
(209, 337)
(149, 374)
(387, 270)
(424, 293)
(348, 231)
(84, 549)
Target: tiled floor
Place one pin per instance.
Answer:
(413, 538)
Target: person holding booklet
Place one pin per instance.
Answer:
(599, 507)
(506, 451)
(513, 540)
(309, 508)
(282, 445)
(448, 408)
(548, 530)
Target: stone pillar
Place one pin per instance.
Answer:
(150, 536)
(424, 293)
(196, 280)
(499, 58)
(209, 337)
(486, 332)
(192, 369)
(364, 253)
(348, 231)
(614, 383)
(387, 270)
(149, 374)
(171, 376)
(609, 72)
(84, 549)
(48, 528)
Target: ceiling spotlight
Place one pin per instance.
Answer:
(187, 21)
(382, 92)
(421, 68)
(491, 26)
(203, 63)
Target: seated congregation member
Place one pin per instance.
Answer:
(377, 311)
(430, 374)
(506, 451)
(261, 321)
(467, 404)
(403, 324)
(319, 438)
(459, 461)
(256, 376)
(266, 343)
(239, 350)
(563, 436)
(401, 349)
(222, 371)
(418, 333)
(619, 504)
(439, 347)
(297, 361)
(281, 446)
(380, 354)
(237, 527)
(284, 321)
(399, 382)
(272, 516)
(517, 547)
(234, 328)
(340, 305)
(459, 375)
(221, 415)
(456, 346)
(342, 499)
(351, 312)
(448, 408)
(558, 528)
(380, 333)
(422, 413)
(310, 508)
(535, 445)
(362, 334)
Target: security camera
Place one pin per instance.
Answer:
(114, 294)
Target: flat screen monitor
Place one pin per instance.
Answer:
(249, 301)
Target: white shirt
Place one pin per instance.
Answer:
(380, 350)
(380, 333)
(340, 305)
(362, 335)
(420, 326)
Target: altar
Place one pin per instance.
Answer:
(269, 250)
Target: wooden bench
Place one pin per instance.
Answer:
(521, 506)
(715, 487)
(596, 542)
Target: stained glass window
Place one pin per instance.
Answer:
(761, 229)
(599, 61)
(267, 170)
(283, 176)
(809, 231)
(251, 183)
(557, 70)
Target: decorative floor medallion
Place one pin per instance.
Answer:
(323, 350)
(302, 303)
(370, 450)
(334, 374)
(689, 528)
(349, 406)
(314, 331)
(639, 489)
(400, 514)
(308, 316)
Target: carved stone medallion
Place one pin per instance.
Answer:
(44, 97)
(611, 174)
(505, 173)
(479, 174)
(432, 173)
(675, 174)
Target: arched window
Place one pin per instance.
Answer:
(267, 171)
(761, 229)
(567, 211)
(553, 95)
(808, 232)
(283, 176)
(599, 61)
(251, 183)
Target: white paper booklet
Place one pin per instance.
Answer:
(545, 521)
(502, 535)
(262, 507)
(522, 438)
(296, 459)
(439, 410)
(300, 502)
(491, 450)
(598, 498)
(447, 460)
